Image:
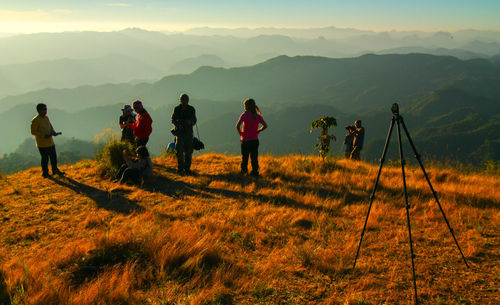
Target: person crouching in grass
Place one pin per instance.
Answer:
(135, 168)
(249, 134)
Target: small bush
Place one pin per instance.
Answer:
(110, 157)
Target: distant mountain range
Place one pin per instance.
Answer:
(353, 84)
(71, 59)
(451, 106)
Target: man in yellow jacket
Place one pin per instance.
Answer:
(43, 131)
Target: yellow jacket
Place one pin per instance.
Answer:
(42, 130)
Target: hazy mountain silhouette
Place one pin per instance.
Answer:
(68, 73)
(165, 51)
(189, 65)
(458, 53)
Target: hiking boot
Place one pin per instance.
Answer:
(255, 174)
(46, 175)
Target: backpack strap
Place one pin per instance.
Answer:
(197, 132)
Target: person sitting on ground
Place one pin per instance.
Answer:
(135, 168)
(127, 118)
(43, 131)
(142, 127)
(359, 137)
(348, 141)
(249, 135)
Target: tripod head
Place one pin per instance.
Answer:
(395, 109)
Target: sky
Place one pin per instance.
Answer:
(31, 16)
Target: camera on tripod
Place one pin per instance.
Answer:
(395, 109)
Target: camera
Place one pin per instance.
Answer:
(395, 108)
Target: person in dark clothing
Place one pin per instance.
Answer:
(43, 131)
(184, 118)
(127, 118)
(359, 138)
(348, 141)
(136, 168)
(253, 124)
(142, 127)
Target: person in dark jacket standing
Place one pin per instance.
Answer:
(126, 118)
(184, 118)
(43, 131)
(142, 127)
(359, 138)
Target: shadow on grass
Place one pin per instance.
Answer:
(4, 296)
(297, 185)
(171, 188)
(104, 200)
(273, 200)
(182, 264)
(98, 260)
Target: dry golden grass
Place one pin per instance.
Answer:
(289, 237)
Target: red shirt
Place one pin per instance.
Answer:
(250, 126)
(142, 127)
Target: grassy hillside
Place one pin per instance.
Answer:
(219, 238)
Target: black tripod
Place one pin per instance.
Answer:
(396, 118)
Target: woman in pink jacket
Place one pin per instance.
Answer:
(253, 124)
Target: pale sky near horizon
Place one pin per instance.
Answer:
(31, 16)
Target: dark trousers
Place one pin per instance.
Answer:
(48, 153)
(355, 153)
(142, 142)
(184, 147)
(250, 148)
(128, 174)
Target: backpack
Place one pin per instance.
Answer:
(197, 144)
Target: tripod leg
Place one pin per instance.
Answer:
(401, 158)
(372, 197)
(417, 156)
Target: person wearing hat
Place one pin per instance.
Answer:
(143, 126)
(126, 118)
(43, 131)
(184, 118)
(359, 138)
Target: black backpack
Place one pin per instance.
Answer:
(197, 144)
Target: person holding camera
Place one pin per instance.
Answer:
(348, 141)
(127, 118)
(142, 127)
(43, 131)
(359, 138)
(183, 118)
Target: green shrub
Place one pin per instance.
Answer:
(110, 157)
